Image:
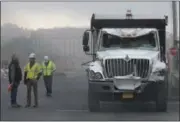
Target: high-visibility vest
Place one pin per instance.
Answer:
(32, 73)
(48, 69)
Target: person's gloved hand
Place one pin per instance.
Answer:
(9, 87)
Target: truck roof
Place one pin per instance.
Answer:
(117, 16)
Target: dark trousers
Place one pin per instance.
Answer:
(14, 93)
(32, 84)
(48, 84)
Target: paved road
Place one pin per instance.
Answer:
(69, 102)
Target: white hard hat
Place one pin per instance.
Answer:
(46, 58)
(32, 55)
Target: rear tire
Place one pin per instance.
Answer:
(93, 101)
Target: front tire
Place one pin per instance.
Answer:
(93, 101)
(161, 99)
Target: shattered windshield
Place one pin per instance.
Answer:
(142, 42)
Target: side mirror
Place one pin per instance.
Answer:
(86, 48)
(85, 38)
(162, 48)
(162, 55)
(166, 19)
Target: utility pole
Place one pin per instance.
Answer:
(174, 11)
(179, 48)
(179, 22)
(175, 34)
(175, 61)
(179, 38)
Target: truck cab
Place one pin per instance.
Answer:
(128, 60)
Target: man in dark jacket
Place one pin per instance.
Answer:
(15, 76)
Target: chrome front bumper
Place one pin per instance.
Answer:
(111, 87)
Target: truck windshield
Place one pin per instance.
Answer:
(142, 42)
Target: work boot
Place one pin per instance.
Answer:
(27, 106)
(48, 95)
(15, 106)
(18, 105)
(35, 106)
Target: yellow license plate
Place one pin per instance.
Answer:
(127, 95)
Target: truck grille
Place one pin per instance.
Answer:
(120, 67)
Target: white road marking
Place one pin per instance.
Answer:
(119, 103)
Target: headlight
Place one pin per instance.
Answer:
(94, 75)
(98, 75)
(160, 73)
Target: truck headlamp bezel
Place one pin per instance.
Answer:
(160, 72)
(98, 75)
(95, 75)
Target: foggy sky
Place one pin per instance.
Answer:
(77, 14)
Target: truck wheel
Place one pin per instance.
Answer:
(161, 99)
(93, 101)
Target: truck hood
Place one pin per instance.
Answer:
(132, 53)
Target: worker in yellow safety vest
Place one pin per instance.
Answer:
(48, 68)
(32, 73)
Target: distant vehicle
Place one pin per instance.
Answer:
(4, 64)
(129, 61)
(4, 73)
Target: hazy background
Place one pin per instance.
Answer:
(77, 14)
(56, 28)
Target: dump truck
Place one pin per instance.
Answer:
(128, 60)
